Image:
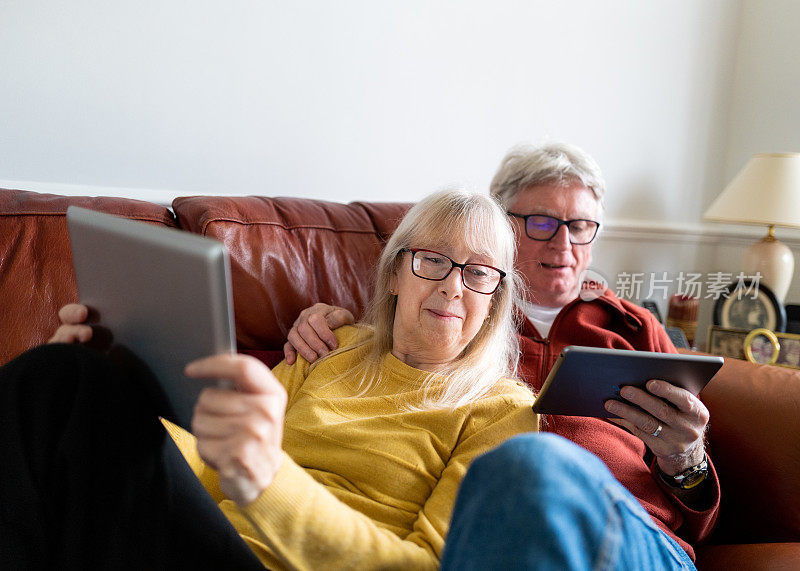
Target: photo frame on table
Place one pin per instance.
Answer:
(747, 305)
(767, 347)
(726, 342)
(789, 354)
(762, 346)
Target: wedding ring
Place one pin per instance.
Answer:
(658, 431)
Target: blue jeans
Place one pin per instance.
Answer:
(539, 501)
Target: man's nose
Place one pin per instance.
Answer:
(561, 239)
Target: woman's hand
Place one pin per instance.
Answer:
(72, 328)
(239, 432)
(683, 418)
(312, 335)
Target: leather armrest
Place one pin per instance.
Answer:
(754, 438)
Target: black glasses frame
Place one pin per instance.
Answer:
(559, 224)
(454, 264)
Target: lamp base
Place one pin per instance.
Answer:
(774, 260)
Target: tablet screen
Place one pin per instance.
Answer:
(583, 378)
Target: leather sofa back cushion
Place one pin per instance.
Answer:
(288, 253)
(755, 420)
(36, 275)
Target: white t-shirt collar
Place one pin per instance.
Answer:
(541, 317)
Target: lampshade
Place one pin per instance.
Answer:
(766, 191)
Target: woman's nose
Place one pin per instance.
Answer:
(452, 286)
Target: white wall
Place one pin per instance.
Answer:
(765, 97)
(389, 100)
(362, 99)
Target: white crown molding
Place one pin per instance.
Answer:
(660, 231)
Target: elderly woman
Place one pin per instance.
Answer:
(554, 196)
(352, 462)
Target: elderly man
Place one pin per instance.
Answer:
(554, 193)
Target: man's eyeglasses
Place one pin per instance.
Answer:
(430, 265)
(540, 227)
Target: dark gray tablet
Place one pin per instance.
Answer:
(583, 378)
(162, 294)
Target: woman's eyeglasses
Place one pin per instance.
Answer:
(541, 227)
(430, 265)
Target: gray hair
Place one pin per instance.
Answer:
(493, 353)
(550, 163)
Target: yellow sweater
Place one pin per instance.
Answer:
(364, 484)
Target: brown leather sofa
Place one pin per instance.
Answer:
(287, 253)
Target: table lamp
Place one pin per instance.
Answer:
(765, 192)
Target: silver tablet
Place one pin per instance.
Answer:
(583, 378)
(163, 294)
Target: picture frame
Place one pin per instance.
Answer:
(789, 354)
(762, 346)
(726, 342)
(784, 351)
(748, 305)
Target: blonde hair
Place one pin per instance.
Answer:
(493, 353)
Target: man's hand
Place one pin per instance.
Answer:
(239, 432)
(312, 335)
(72, 328)
(682, 417)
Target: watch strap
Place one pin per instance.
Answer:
(689, 478)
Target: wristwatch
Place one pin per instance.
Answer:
(689, 478)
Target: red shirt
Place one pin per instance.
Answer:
(611, 322)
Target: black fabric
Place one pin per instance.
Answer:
(89, 478)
